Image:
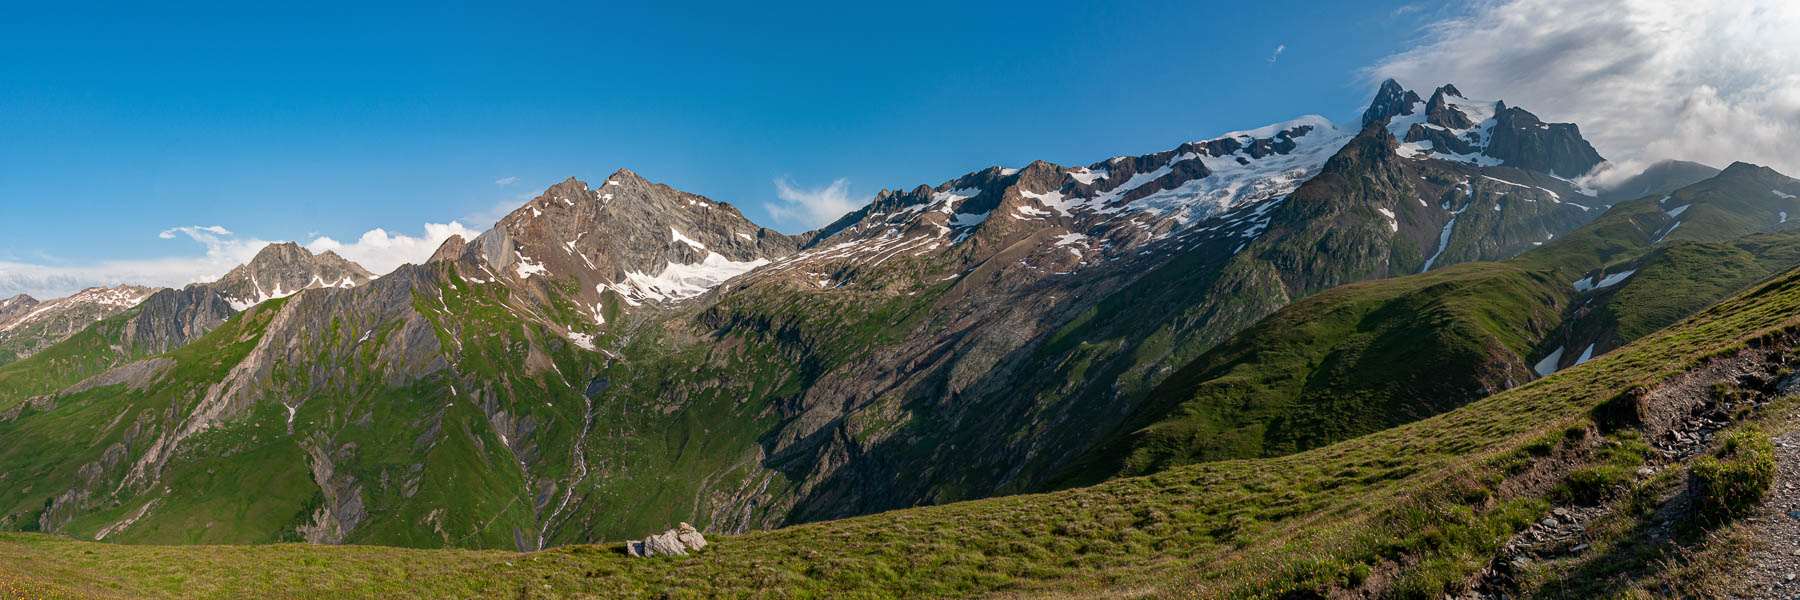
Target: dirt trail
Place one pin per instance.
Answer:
(1679, 418)
(1773, 570)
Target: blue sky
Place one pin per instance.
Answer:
(279, 123)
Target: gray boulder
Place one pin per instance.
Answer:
(675, 542)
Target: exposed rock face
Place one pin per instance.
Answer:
(343, 508)
(280, 270)
(1521, 140)
(170, 319)
(674, 542)
(1390, 101)
(449, 250)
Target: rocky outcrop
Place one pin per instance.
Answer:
(342, 510)
(674, 542)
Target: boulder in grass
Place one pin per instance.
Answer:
(676, 542)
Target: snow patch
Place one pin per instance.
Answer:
(1588, 284)
(1443, 239)
(1547, 366)
(1585, 355)
(583, 340)
(681, 281)
(677, 237)
(1665, 234)
(1086, 176)
(525, 268)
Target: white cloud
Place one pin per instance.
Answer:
(377, 250)
(811, 208)
(505, 180)
(380, 251)
(1277, 54)
(53, 278)
(1646, 80)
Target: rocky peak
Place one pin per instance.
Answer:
(449, 250)
(1438, 110)
(1391, 100)
(644, 240)
(1482, 133)
(280, 270)
(15, 307)
(1741, 169)
(69, 314)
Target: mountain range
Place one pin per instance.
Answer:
(617, 356)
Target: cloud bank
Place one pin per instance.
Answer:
(811, 208)
(377, 250)
(381, 252)
(1646, 80)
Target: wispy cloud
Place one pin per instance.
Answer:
(169, 234)
(505, 180)
(1645, 80)
(811, 207)
(1277, 55)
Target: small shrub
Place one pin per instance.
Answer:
(1729, 484)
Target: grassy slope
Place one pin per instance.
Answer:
(54, 446)
(1243, 528)
(1367, 356)
(88, 353)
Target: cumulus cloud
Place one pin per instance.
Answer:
(1277, 54)
(811, 208)
(380, 251)
(1646, 80)
(48, 277)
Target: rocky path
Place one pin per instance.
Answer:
(1774, 566)
(1562, 533)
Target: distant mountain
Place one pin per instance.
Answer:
(27, 325)
(120, 324)
(1659, 178)
(1366, 357)
(281, 270)
(614, 357)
